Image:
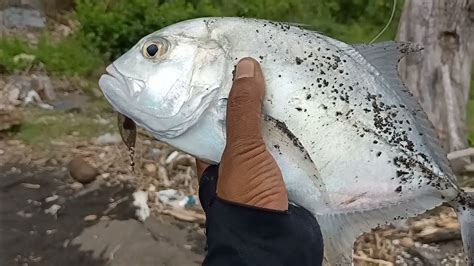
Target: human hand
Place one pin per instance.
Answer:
(248, 174)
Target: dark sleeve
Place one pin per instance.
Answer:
(245, 235)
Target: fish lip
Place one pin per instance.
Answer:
(132, 87)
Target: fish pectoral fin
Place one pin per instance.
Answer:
(294, 162)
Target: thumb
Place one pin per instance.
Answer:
(245, 102)
(248, 174)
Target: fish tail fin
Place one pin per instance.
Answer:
(465, 210)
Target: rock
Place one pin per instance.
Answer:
(90, 218)
(42, 84)
(108, 139)
(82, 171)
(14, 17)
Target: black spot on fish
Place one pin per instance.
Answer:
(298, 60)
(398, 189)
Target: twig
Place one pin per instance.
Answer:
(114, 204)
(186, 216)
(379, 262)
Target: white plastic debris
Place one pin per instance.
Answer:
(166, 195)
(140, 199)
(53, 210)
(173, 198)
(171, 157)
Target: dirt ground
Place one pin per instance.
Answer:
(29, 236)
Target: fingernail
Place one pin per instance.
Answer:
(245, 69)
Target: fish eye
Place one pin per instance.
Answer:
(154, 49)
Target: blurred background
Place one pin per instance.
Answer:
(67, 192)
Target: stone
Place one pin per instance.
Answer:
(82, 171)
(15, 17)
(108, 139)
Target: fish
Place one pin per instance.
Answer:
(354, 146)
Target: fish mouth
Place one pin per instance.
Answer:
(115, 80)
(119, 90)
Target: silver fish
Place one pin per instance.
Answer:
(354, 147)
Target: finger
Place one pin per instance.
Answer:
(245, 102)
(200, 167)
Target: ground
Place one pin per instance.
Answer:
(32, 237)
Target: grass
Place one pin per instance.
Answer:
(64, 57)
(41, 126)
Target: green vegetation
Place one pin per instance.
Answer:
(112, 27)
(65, 57)
(41, 126)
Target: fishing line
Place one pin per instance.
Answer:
(388, 24)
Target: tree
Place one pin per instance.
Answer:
(439, 76)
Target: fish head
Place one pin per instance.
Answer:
(168, 79)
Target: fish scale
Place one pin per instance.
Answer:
(353, 145)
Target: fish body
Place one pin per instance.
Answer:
(353, 145)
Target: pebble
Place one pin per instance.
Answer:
(52, 198)
(31, 186)
(105, 175)
(407, 242)
(2, 152)
(77, 185)
(82, 171)
(90, 218)
(150, 168)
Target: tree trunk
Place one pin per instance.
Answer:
(439, 76)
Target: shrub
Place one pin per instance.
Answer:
(67, 56)
(112, 27)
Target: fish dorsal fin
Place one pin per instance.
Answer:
(384, 57)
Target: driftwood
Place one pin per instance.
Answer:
(439, 235)
(461, 153)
